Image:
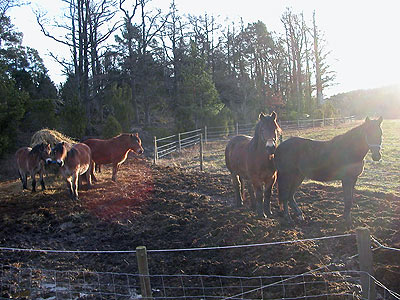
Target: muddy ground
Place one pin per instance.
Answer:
(164, 207)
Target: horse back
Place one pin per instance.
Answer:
(236, 153)
(26, 162)
(108, 151)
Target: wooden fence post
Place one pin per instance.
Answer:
(179, 142)
(237, 128)
(205, 134)
(365, 258)
(201, 152)
(155, 150)
(145, 288)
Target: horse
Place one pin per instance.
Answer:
(73, 160)
(251, 159)
(31, 161)
(341, 158)
(114, 151)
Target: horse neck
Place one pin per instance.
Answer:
(256, 144)
(355, 141)
(34, 156)
(123, 143)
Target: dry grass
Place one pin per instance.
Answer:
(51, 137)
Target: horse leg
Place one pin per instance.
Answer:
(267, 198)
(292, 202)
(252, 196)
(241, 181)
(92, 171)
(236, 186)
(114, 173)
(88, 174)
(69, 186)
(41, 173)
(284, 187)
(75, 179)
(33, 176)
(348, 189)
(23, 179)
(258, 188)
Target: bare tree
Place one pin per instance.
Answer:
(83, 30)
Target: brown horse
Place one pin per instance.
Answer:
(73, 161)
(341, 158)
(114, 151)
(251, 159)
(30, 161)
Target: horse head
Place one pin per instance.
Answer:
(373, 137)
(267, 130)
(136, 143)
(59, 152)
(45, 152)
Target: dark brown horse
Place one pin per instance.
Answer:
(73, 161)
(251, 159)
(114, 151)
(341, 158)
(31, 161)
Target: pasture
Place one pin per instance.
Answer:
(174, 205)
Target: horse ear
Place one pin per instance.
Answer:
(63, 143)
(380, 120)
(137, 134)
(367, 119)
(262, 115)
(273, 115)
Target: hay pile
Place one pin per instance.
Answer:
(51, 137)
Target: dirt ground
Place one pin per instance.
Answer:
(164, 207)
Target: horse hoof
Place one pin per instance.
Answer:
(269, 214)
(300, 217)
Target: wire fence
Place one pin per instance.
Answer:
(330, 281)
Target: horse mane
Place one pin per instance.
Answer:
(36, 149)
(348, 134)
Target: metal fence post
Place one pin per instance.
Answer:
(145, 288)
(179, 142)
(237, 128)
(365, 258)
(205, 134)
(201, 152)
(155, 150)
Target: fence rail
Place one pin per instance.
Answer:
(175, 143)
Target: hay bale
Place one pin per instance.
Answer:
(51, 137)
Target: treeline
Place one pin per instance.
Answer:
(133, 65)
(384, 101)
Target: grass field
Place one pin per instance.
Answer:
(382, 176)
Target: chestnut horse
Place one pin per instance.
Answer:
(251, 159)
(30, 161)
(73, 161)
(114, 151)
(341, 158)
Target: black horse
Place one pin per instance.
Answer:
(341, 158)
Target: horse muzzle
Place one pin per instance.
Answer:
(140, 151)
(60, 162)
(376, 156)
(48, 161)
(270, 146)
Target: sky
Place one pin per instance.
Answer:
(363, 36)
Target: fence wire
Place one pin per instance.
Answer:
(33, 283)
